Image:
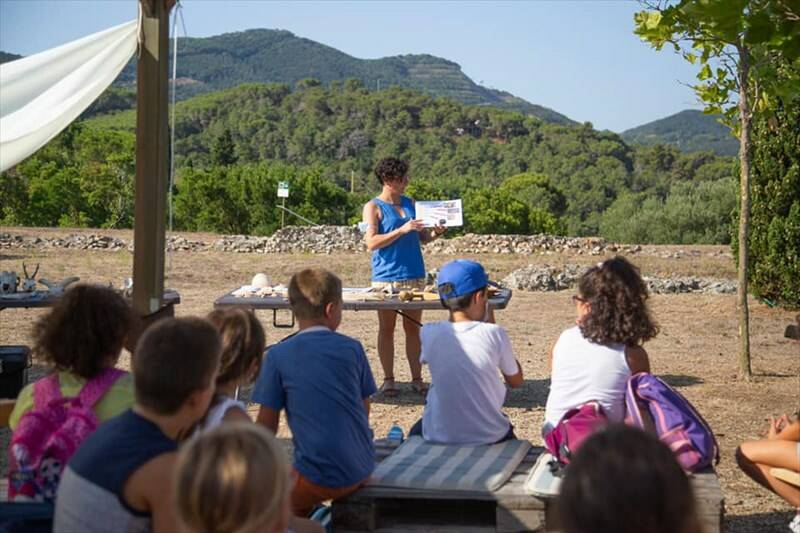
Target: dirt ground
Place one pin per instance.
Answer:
(696, 350)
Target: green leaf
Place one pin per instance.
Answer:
(759, 28)
(705, 73)
(653, 19)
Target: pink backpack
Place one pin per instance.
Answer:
(575, 426)
(48, 435)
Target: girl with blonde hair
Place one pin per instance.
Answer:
(235, 479)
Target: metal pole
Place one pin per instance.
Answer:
(283, 211)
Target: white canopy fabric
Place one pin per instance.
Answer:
(41, 94)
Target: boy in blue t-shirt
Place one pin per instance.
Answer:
(323, 381)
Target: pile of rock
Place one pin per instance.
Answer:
(93, 242)
(690, 284)
(176, 243)
(547, 278)
(242, 244)
(307, 239)
(75, 241)
(316, 240)
(348, 239)
(11, 241)
(543, 278)
(526, 244)
(89, 242)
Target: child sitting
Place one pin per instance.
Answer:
(781, 449)
(121, 476)
(323, 381)
(593, 360)
(80, 339)
(626, 481)
(234, 479)
(465, 401)
(243, 343)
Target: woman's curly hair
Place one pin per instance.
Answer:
(617, 299)
(390, 168)
(84, 332)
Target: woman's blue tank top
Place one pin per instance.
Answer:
(402, 259)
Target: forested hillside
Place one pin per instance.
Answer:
(5, 57)
(516, 174)
(224, 61)
(690, 130)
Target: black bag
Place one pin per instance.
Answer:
(14, 364)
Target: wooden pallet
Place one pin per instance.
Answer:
(509, 509)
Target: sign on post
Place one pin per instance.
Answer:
(283, 189)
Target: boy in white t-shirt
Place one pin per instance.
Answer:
(465, 400)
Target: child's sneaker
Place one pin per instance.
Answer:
(794, 525)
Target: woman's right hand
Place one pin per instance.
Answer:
(411, 225)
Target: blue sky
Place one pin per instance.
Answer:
(579, 58)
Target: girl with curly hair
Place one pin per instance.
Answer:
(80, 339)
(593, 360)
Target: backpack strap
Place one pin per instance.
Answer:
(95, 388)
(46, 390)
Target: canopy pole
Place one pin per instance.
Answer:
(152, 161)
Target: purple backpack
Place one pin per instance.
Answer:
(575, 426)
(677, 422)
(48, 435)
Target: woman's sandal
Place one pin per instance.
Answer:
(419, 386)
(389, 389)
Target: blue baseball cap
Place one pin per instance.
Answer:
(461, 277)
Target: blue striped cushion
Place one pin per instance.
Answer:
(423, 465)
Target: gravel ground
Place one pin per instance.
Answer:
(696, 350)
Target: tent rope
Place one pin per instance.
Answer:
(178, 12)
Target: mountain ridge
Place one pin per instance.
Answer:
(207, 64)
(5, 57)
(689, 130)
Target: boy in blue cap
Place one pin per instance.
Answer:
(464, 404)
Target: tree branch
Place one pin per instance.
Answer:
(788, 12)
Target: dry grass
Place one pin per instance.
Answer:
(696, 350)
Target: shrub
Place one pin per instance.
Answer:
(774, 269)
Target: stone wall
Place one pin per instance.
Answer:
(346, 239)
(547, 278)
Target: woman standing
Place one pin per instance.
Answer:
(393, 235)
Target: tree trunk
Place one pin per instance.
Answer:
(744, 213)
